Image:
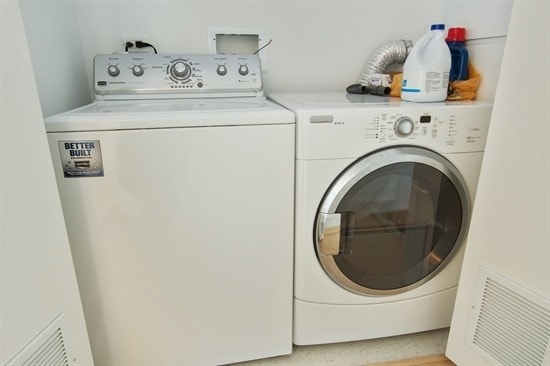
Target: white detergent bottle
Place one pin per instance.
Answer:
(426, 69)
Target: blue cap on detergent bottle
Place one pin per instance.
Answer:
(437, 27)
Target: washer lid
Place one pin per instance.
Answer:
(169, 113)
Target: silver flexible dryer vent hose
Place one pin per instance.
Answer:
(383, 56)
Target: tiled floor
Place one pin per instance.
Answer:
(362, 352)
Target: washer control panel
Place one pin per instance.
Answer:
(134, 74)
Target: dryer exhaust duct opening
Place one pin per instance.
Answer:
(239, 41)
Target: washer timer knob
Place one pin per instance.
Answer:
(113, 70)
(180, 70)
(404, 126)
(137, 70)
(243, 70)
(221, 70)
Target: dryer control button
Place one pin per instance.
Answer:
(404, 127)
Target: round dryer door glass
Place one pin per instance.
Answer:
(391, 221)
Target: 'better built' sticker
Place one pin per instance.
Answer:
(81, 158)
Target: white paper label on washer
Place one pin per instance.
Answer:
(81, 158)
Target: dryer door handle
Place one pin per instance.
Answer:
(328, 233)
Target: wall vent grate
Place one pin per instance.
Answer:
(51, 352)
(47, 348)
(512, 325)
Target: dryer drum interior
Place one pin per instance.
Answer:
(391, 221)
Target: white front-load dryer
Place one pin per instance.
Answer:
(384, 192)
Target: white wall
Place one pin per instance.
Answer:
(317, 45)
(54, 43)
(482, 18)
(37, 279)
(510, 229)
(486, 23)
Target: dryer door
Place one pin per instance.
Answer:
(391, 221)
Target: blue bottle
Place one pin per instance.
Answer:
(456, 38)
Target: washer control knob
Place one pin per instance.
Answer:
(221, 70)
(404, 126)
(243, 70)
(180, 70)
(113, 70)
(137, 70)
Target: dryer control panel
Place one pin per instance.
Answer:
(351, 132)
(136, 75)
(449, 127)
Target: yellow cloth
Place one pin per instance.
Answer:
(459, 90)
(396, 85)
(465, 89)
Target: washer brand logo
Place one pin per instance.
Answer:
(81, 158)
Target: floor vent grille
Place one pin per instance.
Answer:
(512, 324)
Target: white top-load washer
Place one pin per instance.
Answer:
(177, 189)
(384, 191)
